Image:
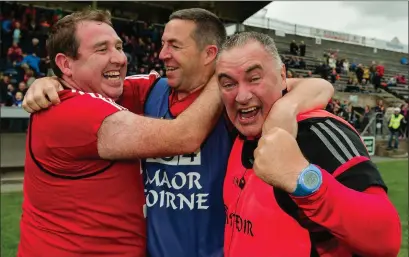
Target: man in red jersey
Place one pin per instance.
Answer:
(190, 44)
(83, 191)
(313, 190)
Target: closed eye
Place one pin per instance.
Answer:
(255, 79)
(228, 85)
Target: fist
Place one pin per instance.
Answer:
(278, 159)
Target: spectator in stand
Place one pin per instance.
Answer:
(14, 54)
(394, 126)
(294, 48)
(323, 70)
(404, 128)
(4, 82)
(366, 118)
(290, 74)
(29, 76)
(17, 32)
(379, 112)
(372, 71)
(332, 62)
(33, 30)
(400, 79)
(366, 74)
(330, 106)
(303, 65)
(380, 71)
(32, 61)
(35, 48)
(11, 92)
(333, 76)
(302, 48)
(359, 73)
(352, 67)
(308, 75)
(350, 116)
(391, 82)
(22, 87)
(296, 64)
(342, 112)
(345, 67)
(18, 101)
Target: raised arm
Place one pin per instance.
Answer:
(303, 95)
(307, 94)
(124, 135)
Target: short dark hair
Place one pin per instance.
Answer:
(62, 36)
(209, 28)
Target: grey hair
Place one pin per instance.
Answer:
(241, 39)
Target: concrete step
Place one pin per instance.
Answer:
(8, 181)
(12, 176)
(396, 154)
(393, 153)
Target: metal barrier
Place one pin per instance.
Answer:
(13, 120)
(13, 113)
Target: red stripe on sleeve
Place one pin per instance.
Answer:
(349, 164)
(364, 223)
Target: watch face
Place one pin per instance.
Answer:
(311, 179)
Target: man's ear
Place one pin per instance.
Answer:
(64, 63)
(210, 54)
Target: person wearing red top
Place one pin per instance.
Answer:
(83, 189)
(190, 61)
(296, 187)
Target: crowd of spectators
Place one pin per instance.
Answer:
(24, 57)
(360, 117)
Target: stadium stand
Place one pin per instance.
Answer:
(350, 68)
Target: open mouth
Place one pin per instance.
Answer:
(248, 113)
(112, 75)
(171, 69)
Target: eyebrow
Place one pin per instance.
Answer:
(105, 42)
(223, 75)
(253, 67)
(172, 40)
(248, 70)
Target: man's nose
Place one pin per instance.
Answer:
(119, 58)
(243, 95)
(164, 53)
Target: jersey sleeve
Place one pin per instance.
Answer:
(136, 90)
(338, 149)
(76, 127)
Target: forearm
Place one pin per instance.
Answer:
(196, 122)
(366, 221)
(308, 94)
(124, 135)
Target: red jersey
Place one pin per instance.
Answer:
(265, 221)
(75, 203)
(380, 69)
(137, 88)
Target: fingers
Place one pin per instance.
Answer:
(52, 95)
(35, 100)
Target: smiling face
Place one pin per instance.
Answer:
(250, 83)
(100, 66)
(180, 53)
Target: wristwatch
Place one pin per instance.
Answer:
(308, 181)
